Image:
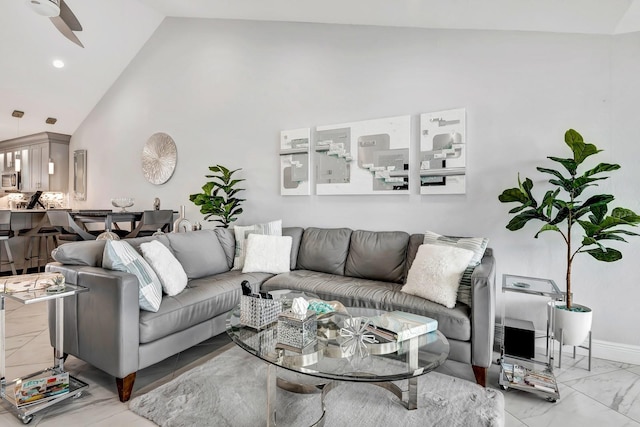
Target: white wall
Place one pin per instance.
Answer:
(225, 89)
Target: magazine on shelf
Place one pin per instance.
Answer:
(400, 326)
(518, 375)
(32, 390)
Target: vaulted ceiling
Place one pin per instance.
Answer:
(115, 30)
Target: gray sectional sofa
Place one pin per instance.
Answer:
(106, 328)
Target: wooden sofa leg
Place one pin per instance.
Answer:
(125, 386)
(481, 375)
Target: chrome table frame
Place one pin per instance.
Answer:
(276, 356)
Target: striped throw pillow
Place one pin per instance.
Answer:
(120, 255)
(475, 244)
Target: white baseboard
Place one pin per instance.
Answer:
(617, 352)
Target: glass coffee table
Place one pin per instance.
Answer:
(331, 359)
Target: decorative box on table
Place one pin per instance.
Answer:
(297, 331)
(257, 312)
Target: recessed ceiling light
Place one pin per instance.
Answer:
(58, 63)
(45, 7)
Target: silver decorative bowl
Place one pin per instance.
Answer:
(123, 203)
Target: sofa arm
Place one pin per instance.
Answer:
(101, 325)
(483, 282)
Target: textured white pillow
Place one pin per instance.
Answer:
(169, 270)
(273, 228)
(120, 255)
(267, 254)
(476, 244)
(435, 273)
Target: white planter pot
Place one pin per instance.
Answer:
(575, 325)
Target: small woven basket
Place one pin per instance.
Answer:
(258, 313)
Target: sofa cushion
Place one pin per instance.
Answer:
(119, 255)
(203, 299)
(412, 249)
(273, 228)
(377, 255)
(435, 273)
(454, 322)
(267, 254)
(296, 236)
(324, 249)
(199, 252)
(87, 253)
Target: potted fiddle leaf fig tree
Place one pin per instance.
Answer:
(218, 201)
(567, 205)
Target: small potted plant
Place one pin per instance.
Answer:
(218, 201)
(563, 207)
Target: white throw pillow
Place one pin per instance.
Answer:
(273, 228)
(435, 273)
(267, 254)
(169, 270)
(476, 244)
(120, 255)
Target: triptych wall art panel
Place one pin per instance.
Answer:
(294, 162)
(373, 156)
(366, 157)
(443, 152)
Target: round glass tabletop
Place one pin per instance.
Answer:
(341, 351)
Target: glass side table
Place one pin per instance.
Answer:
(524, 373)
(30, 289)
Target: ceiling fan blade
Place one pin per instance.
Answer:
(62, 26)
(69, 17)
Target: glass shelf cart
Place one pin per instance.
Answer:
(26, 290)
(533, 375)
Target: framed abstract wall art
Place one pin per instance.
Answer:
(443, 158)
(365, 157)
(294, 162)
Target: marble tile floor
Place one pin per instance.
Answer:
(608, 395)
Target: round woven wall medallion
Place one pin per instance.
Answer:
(159, 157)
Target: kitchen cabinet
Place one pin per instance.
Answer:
(34, 168)
(34, 152)
(7, 163)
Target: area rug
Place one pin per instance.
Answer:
(230, 390)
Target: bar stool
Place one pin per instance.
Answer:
(40, 231)
(69, 230)
(5, 235)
